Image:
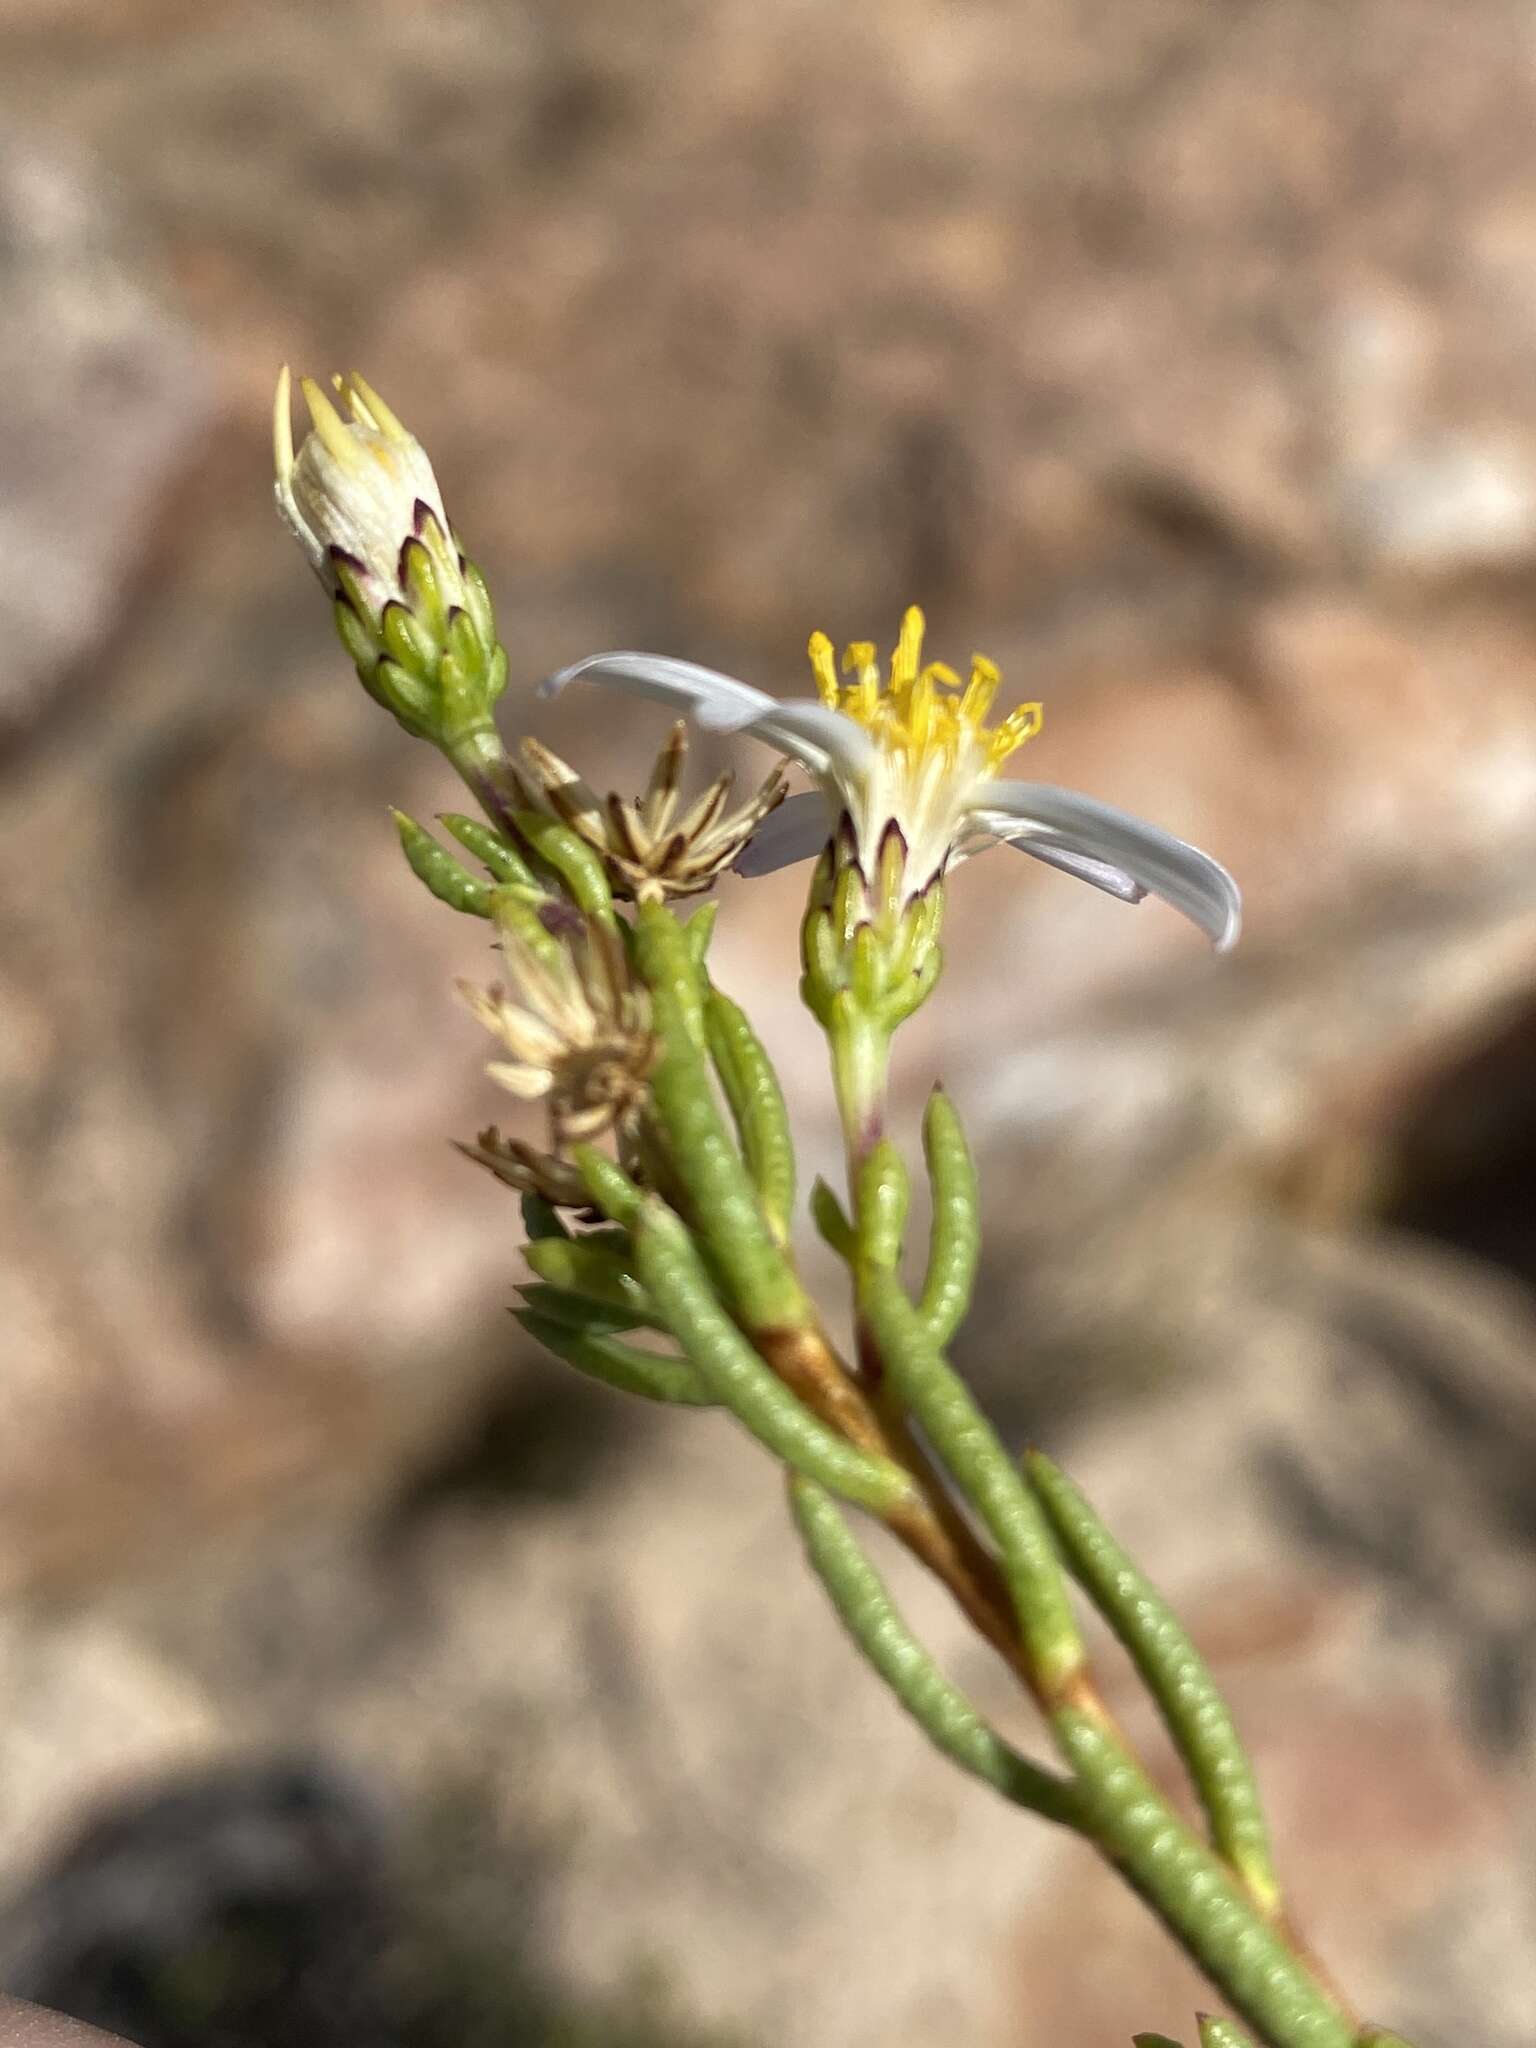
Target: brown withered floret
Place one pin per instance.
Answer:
(651, 853)
(577, 1026)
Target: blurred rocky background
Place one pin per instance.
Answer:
(363, 1679)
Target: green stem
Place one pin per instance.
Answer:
(482, 762)
(861, 1052)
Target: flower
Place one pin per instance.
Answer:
(651, 853)
(361, 499)
(575, 1023)
(916, 754)
(358, 489)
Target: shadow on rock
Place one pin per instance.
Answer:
(275, 1905)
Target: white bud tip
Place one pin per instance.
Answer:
(282, 425)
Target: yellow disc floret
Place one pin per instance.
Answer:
(932, 748)
(924, 709)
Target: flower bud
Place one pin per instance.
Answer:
(361, 499)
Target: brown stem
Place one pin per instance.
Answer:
(932, 1527)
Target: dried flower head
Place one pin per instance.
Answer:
(651, 853)
(577, 1027)
(529, 1169)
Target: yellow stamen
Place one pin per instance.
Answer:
(922, 712)
(1020, 725)
(824, 668)
(862, 698)
(920, 708)
(909, 649)
(981, 689)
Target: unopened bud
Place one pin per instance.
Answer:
(362, 501)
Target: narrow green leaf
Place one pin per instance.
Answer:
(1153, 2041)
(757, 1104)
(1196, 1895)
(677, 982)
(434, 865)
(595, 1272)
(1219, 2033)
(954, 1246)
(571, 858)
(610, 1186)
(498, 856)
(521, 911)
(675, 1277)
(876, 1625)
(722, 1198)
(988, 1477)
(1196, 1715)
(883, 1194)
(578, 1311)
(620, 1365)
(831, 1220)
(700, 929)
